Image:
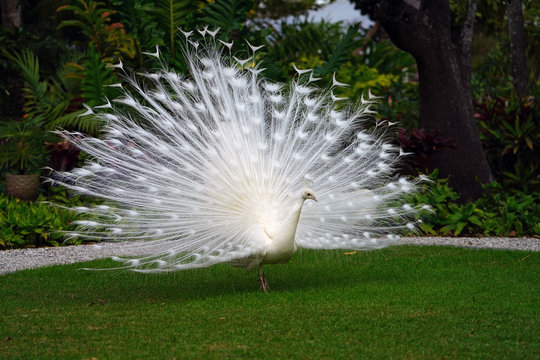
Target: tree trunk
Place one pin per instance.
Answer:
(11, 13)
(424, 29)
(445, 105)
(516, 32)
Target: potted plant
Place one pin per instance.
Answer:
(22, 144)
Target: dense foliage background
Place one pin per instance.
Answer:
(56, 62)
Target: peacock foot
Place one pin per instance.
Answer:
(264, 284)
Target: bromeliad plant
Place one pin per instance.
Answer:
(511, 138)
(95, 22)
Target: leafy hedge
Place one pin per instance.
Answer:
(496, 213)
(31, 224)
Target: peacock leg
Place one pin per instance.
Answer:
(262, 279)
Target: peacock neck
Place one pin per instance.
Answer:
(281, 245)
(292, 219)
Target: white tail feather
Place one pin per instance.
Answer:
(190, 165)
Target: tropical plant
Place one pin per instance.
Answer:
(22, 144)
(302, 36)
(340, 54)
(41, 98)
(458, 217)
(400, 104)
(228, 15)
(511, 138)
(498, 212)
(363, 78)
(31, 224)
(280, 9)
(95, 79)
(45, 101)
(95, 22)
(172, 15)
(391, 74)
(302, 42)
(516, 213)
(138, 19)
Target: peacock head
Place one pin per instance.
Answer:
(308, 194)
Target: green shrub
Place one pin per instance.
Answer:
(30, 224)
(515, 213)
(496, 213)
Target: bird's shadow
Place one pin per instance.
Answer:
(328, 270)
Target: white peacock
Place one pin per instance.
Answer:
(213, 167)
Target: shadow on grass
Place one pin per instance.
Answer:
(308, 271)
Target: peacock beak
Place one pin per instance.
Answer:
(314, 198)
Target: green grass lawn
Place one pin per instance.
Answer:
(401, 303)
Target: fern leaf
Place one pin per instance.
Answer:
(96, 76)
(228, 15)
(339, 55)
(172, 14)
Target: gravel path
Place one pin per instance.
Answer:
(13, 260)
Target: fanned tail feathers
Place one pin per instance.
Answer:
(188, 165)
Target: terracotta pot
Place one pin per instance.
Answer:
(24, 187)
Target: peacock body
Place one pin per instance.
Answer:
(221, 166)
